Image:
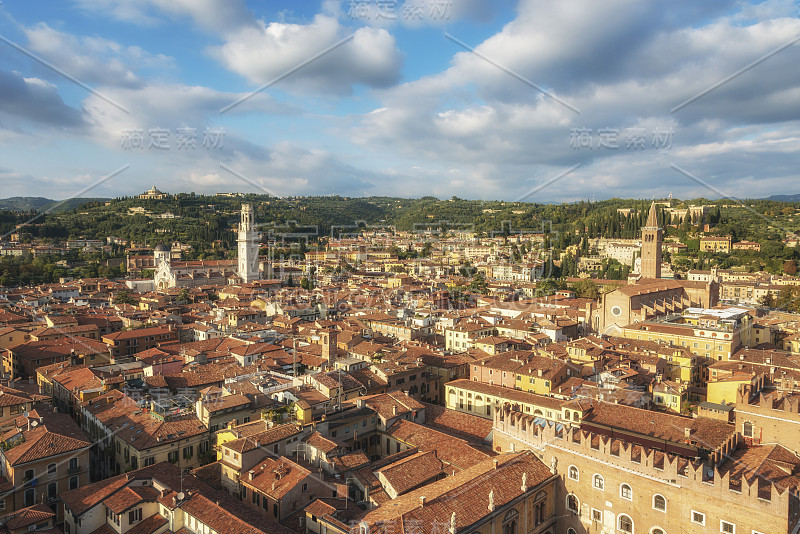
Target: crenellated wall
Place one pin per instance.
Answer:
(688, 485)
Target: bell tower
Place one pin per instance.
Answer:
(651, 246)
(248, 242)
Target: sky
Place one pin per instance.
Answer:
(528, 100)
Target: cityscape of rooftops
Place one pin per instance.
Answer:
(399, 267)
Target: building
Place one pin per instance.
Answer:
(248, 242)
(42, 456)
(652, 236)
(747, 245)
(714, 333)
(241, 447)
(130, 436)
(651, 297)
(280, 487)
(153, 194)
(510, 493)
(479, 399)
(715, 244)
(158, 499)
(23, 360)
(656, 483)
(129, 342)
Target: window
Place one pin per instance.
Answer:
(52, 490)
(698, 518)
(539, 506)
(135, 515)
(51, 469)
(572, 503)
(30, 497)
(727, 528)
(659, 503)
(149, 461)
(626, 492)
(572, 472)
(173, 457)
(598, 482)
(625, 523)
(3, 505)
(571, 531)
(73, 482)
(305, 487)
(747, 429)
(597, 515)
(657, 530)
(188, 452)
(510, 522)
(28, 474)
(275, 509)
(73, 464)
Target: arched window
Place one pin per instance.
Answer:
(572, 473)
(626, 492)
(510, 522)
(625, 523)
(747, 429)
(571, 531)
(572, 503)
(659, 503)
(598, 482)
(540, 508)
(657, 530)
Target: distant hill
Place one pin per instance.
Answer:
(785, 198)
(42, 204)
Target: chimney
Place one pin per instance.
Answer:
(422, 500)
(495, 464)
(251, 473)
(539, 372)
(394, 409)
(687, 432)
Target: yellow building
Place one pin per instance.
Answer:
(479, 399)
(715, 244)
(712, 333)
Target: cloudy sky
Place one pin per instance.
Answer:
(486, 99)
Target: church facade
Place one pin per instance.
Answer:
(190, 274)
(651, 296)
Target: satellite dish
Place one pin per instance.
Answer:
(181, 496)
(26, 414)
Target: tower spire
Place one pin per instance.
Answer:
(652, 217)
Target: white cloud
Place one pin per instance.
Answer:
(93, 59)
(267, 51)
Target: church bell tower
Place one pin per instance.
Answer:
(651, 246)
(248, 241)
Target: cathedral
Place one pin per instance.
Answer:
(651, 296)
(191, 274)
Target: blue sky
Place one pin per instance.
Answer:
(487, 99)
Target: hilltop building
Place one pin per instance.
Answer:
(153, 194)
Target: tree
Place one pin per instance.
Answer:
(586, 289)
(124, 297)
(306, 284)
